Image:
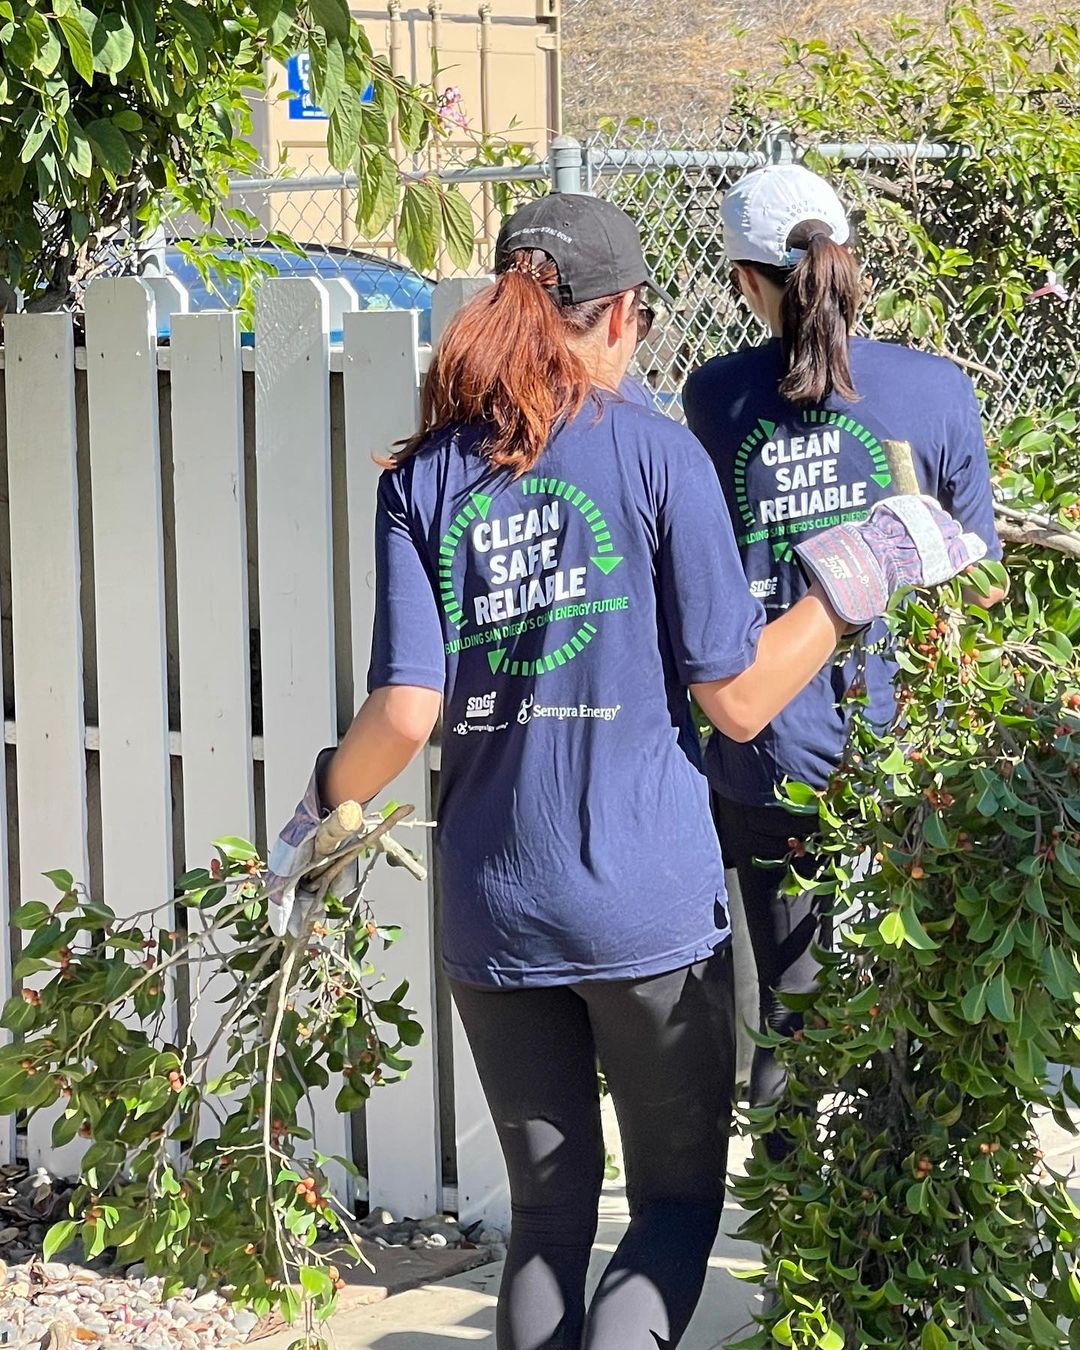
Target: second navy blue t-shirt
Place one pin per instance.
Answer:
(788, 471)
(563, 614)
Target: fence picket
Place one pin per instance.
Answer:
(212, 607)
(129, 588)
(483, 1189)
(211, 580)
(296, 597)
(382, 379)
(43, 501)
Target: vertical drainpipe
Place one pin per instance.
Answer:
(491, 223)
(393, 10)
(557, 71)
(435, 11)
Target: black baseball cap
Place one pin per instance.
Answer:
(595, 246)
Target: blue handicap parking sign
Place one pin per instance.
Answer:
(302, 105)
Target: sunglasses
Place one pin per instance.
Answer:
(646, 317)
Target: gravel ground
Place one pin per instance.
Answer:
(50, 1306)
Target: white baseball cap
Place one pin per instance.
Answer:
(763, 207)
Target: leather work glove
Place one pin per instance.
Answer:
(905, 541)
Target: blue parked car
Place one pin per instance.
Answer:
(380, 284)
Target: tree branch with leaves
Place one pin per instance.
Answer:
(115, 117)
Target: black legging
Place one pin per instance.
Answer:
(783, 928)
(666, 1046)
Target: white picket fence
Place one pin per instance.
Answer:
(163, 502)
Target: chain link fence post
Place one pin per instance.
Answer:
(565, 162)
(778, 147)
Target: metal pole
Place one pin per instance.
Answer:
(491, 216)
(557, 72)
(778, 146)
(150, 254)
(566, 162)
(393, 12)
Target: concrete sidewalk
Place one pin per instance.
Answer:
(461, 1311)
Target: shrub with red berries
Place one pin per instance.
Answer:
(915, 1208)
(196, 1164)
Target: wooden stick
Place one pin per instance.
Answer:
(901, 463)
(336, 828)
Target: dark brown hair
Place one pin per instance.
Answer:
(505, 363)
(822, 293)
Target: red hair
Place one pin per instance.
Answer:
(505, 363)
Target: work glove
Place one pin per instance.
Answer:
(310, 838)
(905, 541)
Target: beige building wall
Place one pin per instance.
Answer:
(502, 56)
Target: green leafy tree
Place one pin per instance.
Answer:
(954, 246)
(117, 113)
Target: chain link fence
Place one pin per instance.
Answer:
(673, 184)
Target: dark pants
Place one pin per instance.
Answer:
(666, 1046)
(783, 928)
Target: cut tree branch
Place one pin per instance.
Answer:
(1027, 527)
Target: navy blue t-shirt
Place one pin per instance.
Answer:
(788, 471)
(563, 614)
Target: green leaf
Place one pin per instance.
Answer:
(933, 1338)
(77, 31)
(49, 53)
(458, 227)
(316, 1281)
(80, 156)
(343, 133)
(832, 1339)
(973, 1004)
(1056, 645)
(1043, 1328)
(916, 934)
(379, 188)
(236, 850)
(411, 1033)
(328, 77)
(18, 1015)
(112, 43)
(891, 928)
(111, 148)
(999, 1000)
(197, 26)
(332, 16)
(31, 915)
(25, 967)
(65, 1128)
(782, 1333)
(35, 138)
(58, 1237)
(418, 232)
(934, 831)
(45, 940)
(411, 122)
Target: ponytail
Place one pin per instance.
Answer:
(505, 362)
(822, 293)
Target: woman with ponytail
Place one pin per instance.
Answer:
(556, 569)
(795, 428)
